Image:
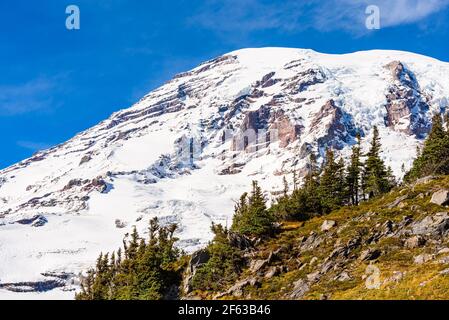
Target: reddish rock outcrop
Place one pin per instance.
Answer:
(406, 104)
(339, 129)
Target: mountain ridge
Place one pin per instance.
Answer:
(180, 152)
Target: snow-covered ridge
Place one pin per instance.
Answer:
(179, 153)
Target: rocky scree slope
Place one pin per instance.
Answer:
(394, 247)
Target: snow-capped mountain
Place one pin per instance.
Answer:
(188, 149)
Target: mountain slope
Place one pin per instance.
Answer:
(392, 248)
(188, 149)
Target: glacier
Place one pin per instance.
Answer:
(174, 153)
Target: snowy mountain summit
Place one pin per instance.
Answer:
(190, 148)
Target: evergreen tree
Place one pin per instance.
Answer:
(433, 159)
(146, 272)
(375, 174)
(332, 184)
(224, 264)
(341, 187)
(311, 188)
(252, 217)
(354, 173)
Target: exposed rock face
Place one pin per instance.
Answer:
(198, 258)
(287, 131)
(237, 289)
(264, 126)
(440, 197)
(240, 241)
(311, 100)
(369, 254)
(338, 126)
(406, 104)
(36, 221)
(301, 287)
(436, 225)
(85, 159)
(306, 79)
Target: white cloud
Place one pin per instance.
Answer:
(34, 146)
(408, 11)
(242, 17)
(27, 97)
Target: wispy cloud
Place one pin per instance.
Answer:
(247, 16)
(34, 146)
(27, 97)
(408, 11)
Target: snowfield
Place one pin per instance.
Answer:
(172, 155)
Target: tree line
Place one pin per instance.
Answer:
(336, 184)
(153, 268)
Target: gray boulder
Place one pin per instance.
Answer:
(300, 288)
(239, 241)
(414, 242)
(436, 225)
(423, 258)
(441, 197)
(327, 225)
(370, 254)
(396, 202)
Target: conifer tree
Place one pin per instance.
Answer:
(311, 187)
(433, 159)
(375, 174)
(147, 271)
(252, 217)
(331, 189)
(354, 173)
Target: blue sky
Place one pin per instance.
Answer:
(55, 83)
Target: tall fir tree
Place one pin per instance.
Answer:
(331, 188)
(252, 218)
(354, 172)
(433, 159)
(376, 180)
(147, 271)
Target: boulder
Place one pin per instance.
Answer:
(396, 202)
(370, 254)
(300, 288)
(344, 276)
(414, 242)
(239, 241)
(237, 289)
(327, 225)
(436, 225)
(119, 224)
(397, 276)
(423, 258)
(441, 197)
(257, 265)
(272, 272)
(444, 260)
